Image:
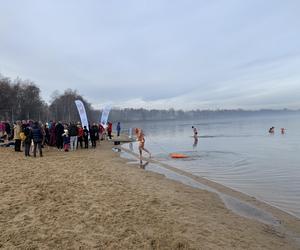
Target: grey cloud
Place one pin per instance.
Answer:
(193, 54)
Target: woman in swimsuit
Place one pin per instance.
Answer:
(141, 139)
(195, 132)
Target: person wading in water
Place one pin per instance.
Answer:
(141, 139)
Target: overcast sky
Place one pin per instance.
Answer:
(156, 53)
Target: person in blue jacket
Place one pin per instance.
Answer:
(37, 137)
(118, 129)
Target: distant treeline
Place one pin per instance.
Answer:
(20, 99)
(171, 114)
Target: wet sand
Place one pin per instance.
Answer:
(92, 199)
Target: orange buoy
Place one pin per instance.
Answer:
(175, 155)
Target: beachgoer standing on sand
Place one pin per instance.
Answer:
(141, 139)
(101, 132)
(94, 134)
(109, 130)
(118, 129)
(52, 132)
(73, 133)
(66, 139)
(47, 134)
(59, 130)
(86, 137)
(8, 130)
(27, 141)
(80, 135)
(17, 138)
(37, 137)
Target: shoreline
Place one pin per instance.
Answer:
(94, 199)
(284, 218)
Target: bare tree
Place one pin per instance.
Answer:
(63, 106)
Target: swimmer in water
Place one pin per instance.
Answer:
(282, 131)
(195, 132)
(195, 142)
(272, 130)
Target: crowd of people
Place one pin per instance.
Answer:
(32, 136)
(26, 135)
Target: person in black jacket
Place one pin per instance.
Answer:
(73, 133)
(86, 137)
(94, 134)
(59, 130)
(47, 135)
(37, 137)
(8, 130)
(27, 141)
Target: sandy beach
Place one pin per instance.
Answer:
(92, 199)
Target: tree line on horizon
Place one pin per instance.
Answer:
(21, 100)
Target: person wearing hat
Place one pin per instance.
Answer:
(66, 139)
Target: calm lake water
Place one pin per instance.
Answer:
(236, 152)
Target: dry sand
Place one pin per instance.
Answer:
(91, 199)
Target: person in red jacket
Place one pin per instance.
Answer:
(101, 131)
(109, 129)
(80, 135)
